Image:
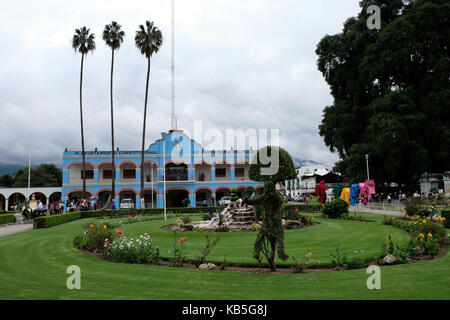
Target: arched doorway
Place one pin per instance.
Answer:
(177, 198)
(103, 197)
(222, 192)
(39, 197)
(54, 197)
(150, 199)
(15, 199)
(203, 197)
(124, 197)
(78, 195)
(3, 203)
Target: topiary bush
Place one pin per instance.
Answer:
(336, 208)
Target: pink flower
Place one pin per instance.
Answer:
(120, 231)
(129, 217)
(149, 238)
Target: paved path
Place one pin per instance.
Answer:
(375, 211)
(15, 228)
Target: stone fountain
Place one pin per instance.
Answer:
(236, 217)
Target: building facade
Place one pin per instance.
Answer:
(201, 176)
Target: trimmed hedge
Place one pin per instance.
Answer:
(305, 207)
(446, 214)
(7, 218)
(50, 221)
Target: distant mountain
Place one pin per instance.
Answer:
(9, 168)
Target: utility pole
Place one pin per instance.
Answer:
(367, 165)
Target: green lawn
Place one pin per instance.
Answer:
(33, 266)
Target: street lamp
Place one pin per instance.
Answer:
(163, 134)
(367, 165)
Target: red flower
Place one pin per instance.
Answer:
(179, 241)
(206, 236)
(444, 238)
(182, 240)
(129, 217)
(107, 243)
(120, 231)
(149, 238)
(296, 209)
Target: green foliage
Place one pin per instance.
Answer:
(416, 226)
(206, 250)
(283, 170)
(177, 256)
(313, 201)
(7, 218)
(289, 213)
(270, 239)
(446, 214)
(415, 207)
(185, 220)
(387, 220)
(50, 221)
(431, 246)
(307, 262)
(339, 258)
(95, 237)
(46, 175)
(6, 181)
(139, 250)
(391, 91)
(336, 208)
(234, 195)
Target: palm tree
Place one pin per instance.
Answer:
(83, 42)
(113, 36)
(148, 40)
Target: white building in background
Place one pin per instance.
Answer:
(306, 180)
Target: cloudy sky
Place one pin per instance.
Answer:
(239, 65)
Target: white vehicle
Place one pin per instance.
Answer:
(224, 201)
(126, 204)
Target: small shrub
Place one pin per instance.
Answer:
(339, 258)
(307, 262)
(307, 219)
(431, 246)
(289, 213)
(255, 226)
(206, 217)
(222, 229)
(206, 250)
(387, 220)
(94, 237)
(177, 254)
(336, 208)
(124, 250)
(234, 195)
(185, 220)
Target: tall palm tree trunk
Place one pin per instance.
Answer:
(113, 183)
(143, 131)
(82, 130)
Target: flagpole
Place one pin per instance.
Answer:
(29, 167)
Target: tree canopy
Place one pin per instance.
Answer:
(282, 164)
(391, 90)
(46, 175)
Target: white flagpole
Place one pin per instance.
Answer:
(29, 167)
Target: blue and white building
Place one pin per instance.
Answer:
(192, 172)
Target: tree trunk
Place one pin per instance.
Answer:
(113, 182)
(82, 130)
(144, 126)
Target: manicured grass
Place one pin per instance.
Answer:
(364, 237)
(33, 266)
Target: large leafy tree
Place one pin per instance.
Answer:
(83, 41)
(113, 37)
(148, 40)
(46, 175)
(391, 91)
(270, 239)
